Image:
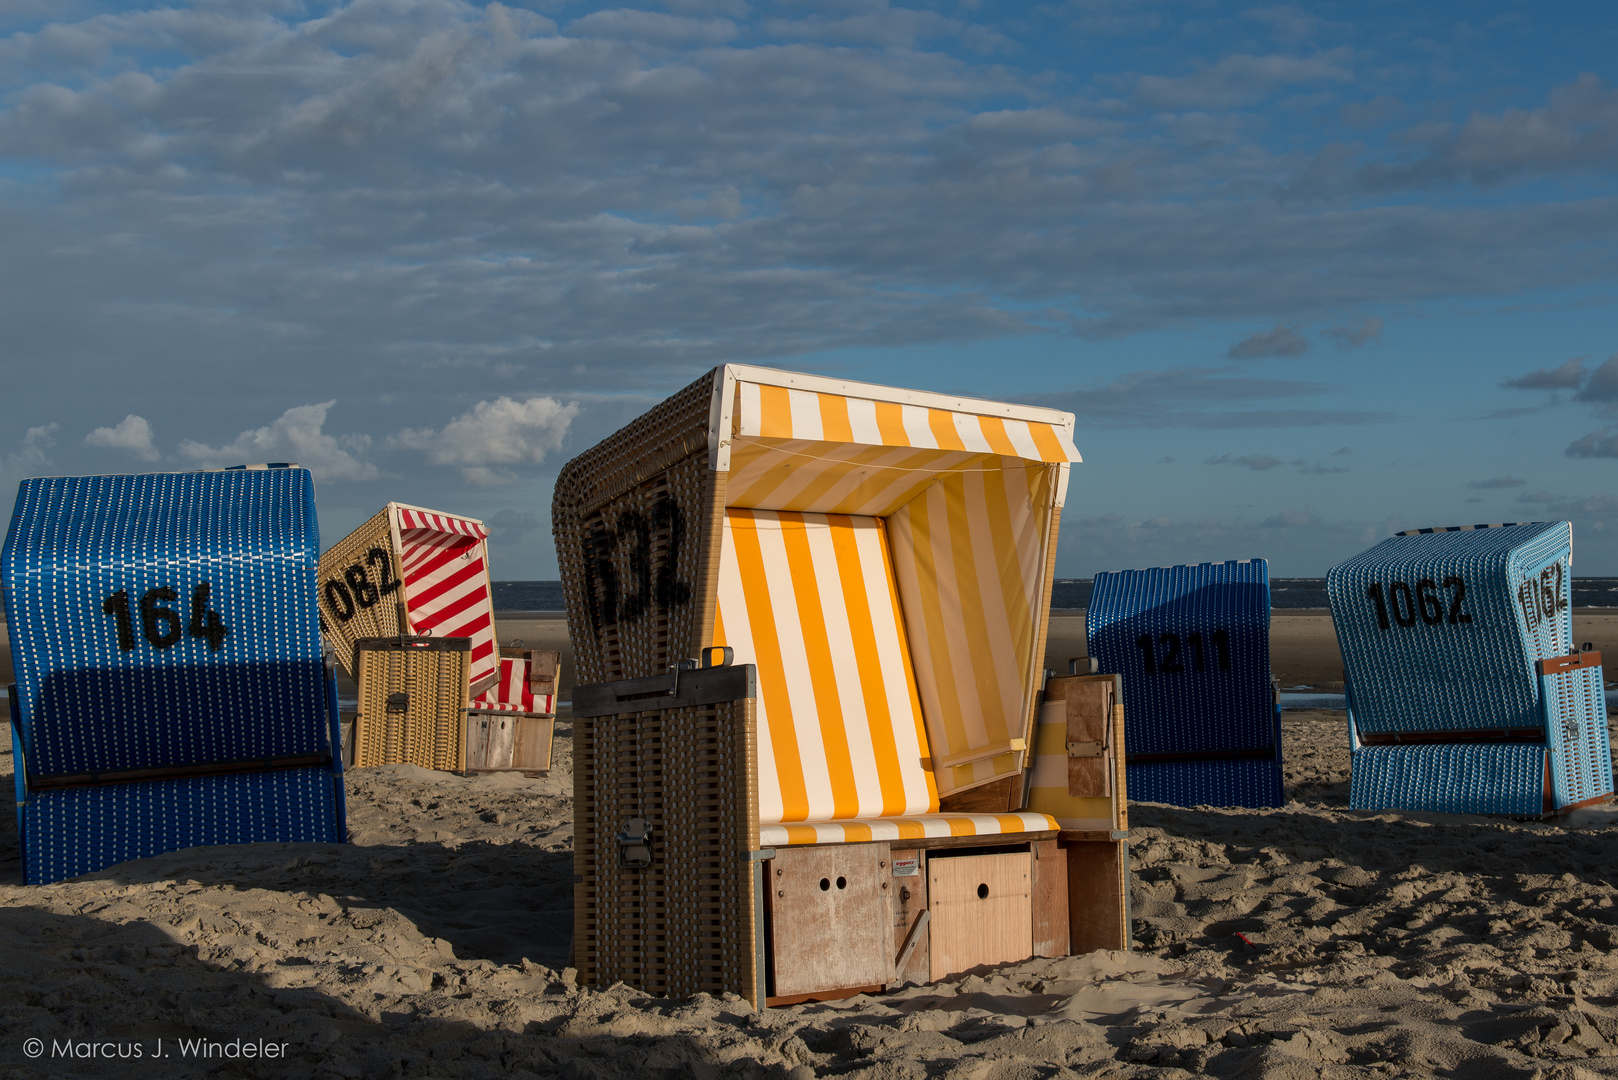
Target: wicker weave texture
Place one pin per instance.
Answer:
(90, 828)
(638, 575)
(365, 558)
(1440, 631)
(166, 622)
(687, 923)
(637, 542)
(1452, 778)
(1193, 646)
(1253, 783)
(1576, 729)
(429, 729)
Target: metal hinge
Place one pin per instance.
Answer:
(635, 844)
(1086, 749)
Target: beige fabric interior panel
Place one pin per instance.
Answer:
(969, 558)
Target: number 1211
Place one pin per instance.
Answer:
(1169, 662)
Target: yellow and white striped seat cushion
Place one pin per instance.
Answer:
(925, 826)
(810, 599)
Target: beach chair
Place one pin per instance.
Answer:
(808, 618)
(411, 572)
(510, 726)
(171, 690)
(1466, 692)
(1192, 644)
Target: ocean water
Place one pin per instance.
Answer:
(1066, 594)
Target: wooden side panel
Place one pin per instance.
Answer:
(1120, 782)
(829, 918)
(544, 667)
(1059, 689)
(909, 901)
(1098, 902)
(1089, 721)
(1050, 907)
(981, 910)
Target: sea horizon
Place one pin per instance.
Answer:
(1070, 594)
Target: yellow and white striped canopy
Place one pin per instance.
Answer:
(884, 563)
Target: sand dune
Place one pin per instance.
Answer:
(1382, 945)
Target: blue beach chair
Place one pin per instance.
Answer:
(1466, 692)
(1193, 646)
(170, 686)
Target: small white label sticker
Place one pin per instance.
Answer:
(906, 867)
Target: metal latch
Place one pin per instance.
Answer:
(635, 844)
(690, 664)
(1086, 749)
(398, 702)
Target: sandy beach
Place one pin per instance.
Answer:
(1382, 945)
(435, 945)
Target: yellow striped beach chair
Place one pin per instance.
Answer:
(808, 618)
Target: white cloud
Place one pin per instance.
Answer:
(492, 434)
(30, 457)
(296, 436)
(133, 435)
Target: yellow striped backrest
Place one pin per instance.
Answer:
(812, 600)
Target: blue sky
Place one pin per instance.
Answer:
(1306, 273)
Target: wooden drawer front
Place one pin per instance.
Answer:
(532, 749)
(982, 911)
(830, 918)
(489, 740)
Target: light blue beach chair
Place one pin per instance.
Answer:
(170, 686)
(1466, 691)
(1193, 646)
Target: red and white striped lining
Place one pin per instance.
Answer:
(444, 563)
(410, 518)
(512, 693)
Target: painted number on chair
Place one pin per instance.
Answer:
(1170, 654)
(635, 535)
(162, 626)
(1543, 596)
(353, 589)
(1429, 603)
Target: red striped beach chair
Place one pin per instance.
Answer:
(809, 619)
(510, 725)
(411, 573)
